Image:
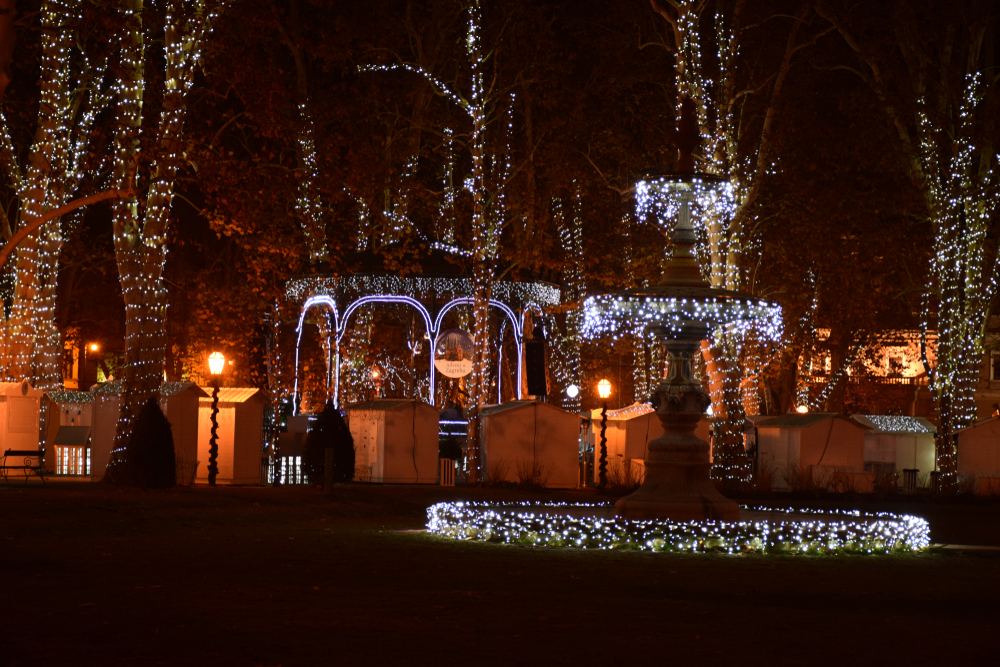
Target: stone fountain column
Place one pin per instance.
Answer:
(677, 484)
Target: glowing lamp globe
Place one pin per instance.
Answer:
(572, 391)
(94, 347)
(802, 409)
(603, 388)
(216, 362)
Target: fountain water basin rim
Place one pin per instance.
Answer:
(760, 530)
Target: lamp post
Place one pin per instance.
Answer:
(216, 363)
(93, 347)
(603, 390)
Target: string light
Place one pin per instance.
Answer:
(802, 532)
(71, 95)
(962, 185)
(140, 232)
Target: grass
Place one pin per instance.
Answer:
(290, 576)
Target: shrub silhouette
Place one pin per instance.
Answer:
(329, 431)
(149, 458)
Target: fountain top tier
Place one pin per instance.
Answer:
(682, 300)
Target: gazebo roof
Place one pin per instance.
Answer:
(439, 274)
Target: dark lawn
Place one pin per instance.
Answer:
(288, 576)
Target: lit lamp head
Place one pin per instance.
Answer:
(603, 388)
(216, 362)
(94, 347)
(572, 391)
(802, 409)
(375, 374)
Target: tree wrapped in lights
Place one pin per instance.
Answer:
(308, 202)
(935, 80)
(567, 366)
(140, 227)
(733, 143)
(72, 67)
(479, 102)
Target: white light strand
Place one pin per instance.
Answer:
(811, 532)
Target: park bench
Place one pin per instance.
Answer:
(21, 459)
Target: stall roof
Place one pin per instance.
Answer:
(631, 411)
(113, 388)
(896, 424)
(796, 420)
(18, 389)
(384, 404)
(981, 422)
(231, 394)
(67, 396)
(516, 405)
(168, 389)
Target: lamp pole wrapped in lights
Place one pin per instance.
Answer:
(604, 391)
(216, 363)
(681, 310)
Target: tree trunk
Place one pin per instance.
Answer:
(729, 460)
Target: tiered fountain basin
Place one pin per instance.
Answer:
(760, 530)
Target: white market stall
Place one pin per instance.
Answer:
(240, 435)
(816, 448)
(68, 420)
(179, 403)
(897, 443)
(521, 438)
(104, 421)
(19, 417)
(628, 433)
(979, 455)
(395, 441)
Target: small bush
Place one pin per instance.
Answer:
(533, 474)
(149, 458)
(496, 471)
(330, 431)
(623, 476)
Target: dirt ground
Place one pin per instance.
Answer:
(289, 576)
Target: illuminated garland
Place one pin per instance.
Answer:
(897, 423)
(633, 312)
(515, 294)
(550, 525)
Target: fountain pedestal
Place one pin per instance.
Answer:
(677, 484)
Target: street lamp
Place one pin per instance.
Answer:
(216, 363)
(377, 377)
(93, 347)
(604, 391)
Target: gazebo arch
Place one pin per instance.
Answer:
(344, 295)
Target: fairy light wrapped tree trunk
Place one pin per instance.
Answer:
(478, 102)
(939, 89)
(722, 122)
(140, 232)
(70, 96)
(308, 202)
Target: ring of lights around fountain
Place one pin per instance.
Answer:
(669, 307)
(585, 526)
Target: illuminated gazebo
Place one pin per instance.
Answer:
(439, 287)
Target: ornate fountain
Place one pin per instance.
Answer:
(681, 310)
